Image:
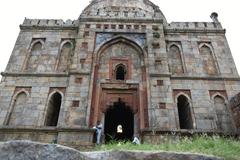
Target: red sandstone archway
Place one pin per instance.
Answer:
(104, 94)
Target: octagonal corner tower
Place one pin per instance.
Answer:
(123, 9)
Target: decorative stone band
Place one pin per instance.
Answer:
(195, 30)
(184, 77)
(24, 74)
(44, 129)
(217, 78)
(122, 20)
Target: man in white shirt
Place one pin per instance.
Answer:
(98, 128)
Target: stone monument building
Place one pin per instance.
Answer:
(123, 64)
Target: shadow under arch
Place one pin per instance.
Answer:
(53, 108)
(119, 122)
(120, 72)
(184, 112)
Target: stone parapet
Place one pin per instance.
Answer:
(51, 23)
(195, 25)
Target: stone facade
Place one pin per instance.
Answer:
(235, 107)
(62, 77)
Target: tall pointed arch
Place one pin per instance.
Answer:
(175, 60)
(53, 109)
(66, 49)
(119, 39)
(208, 62)
(119, 50)
(17, 112)
(223, 121)
(185, 115)
(34, 55)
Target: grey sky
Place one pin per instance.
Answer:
(14, 11)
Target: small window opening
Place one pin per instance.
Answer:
(113, 26)
(121, 26)
(129, 26)
(120, 73)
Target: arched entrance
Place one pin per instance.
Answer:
(119, 122)
(119, 72)
(184, 112)
(53, 110)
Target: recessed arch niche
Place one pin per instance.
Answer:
(125, 52)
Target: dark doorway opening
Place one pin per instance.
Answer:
(184, 113)
(119, 123)
(53, 110)
(120, 72)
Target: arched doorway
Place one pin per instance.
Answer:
(184, 113)
(107, 87)
(53, 110)
(119, 122)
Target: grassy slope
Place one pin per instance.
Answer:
(223, 147)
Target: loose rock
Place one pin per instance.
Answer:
(27, 150)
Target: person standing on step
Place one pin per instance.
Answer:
(98, 128)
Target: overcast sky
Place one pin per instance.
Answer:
(12, 13)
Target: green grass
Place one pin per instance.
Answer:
(227, 148)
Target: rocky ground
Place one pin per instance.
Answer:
(27, 150)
